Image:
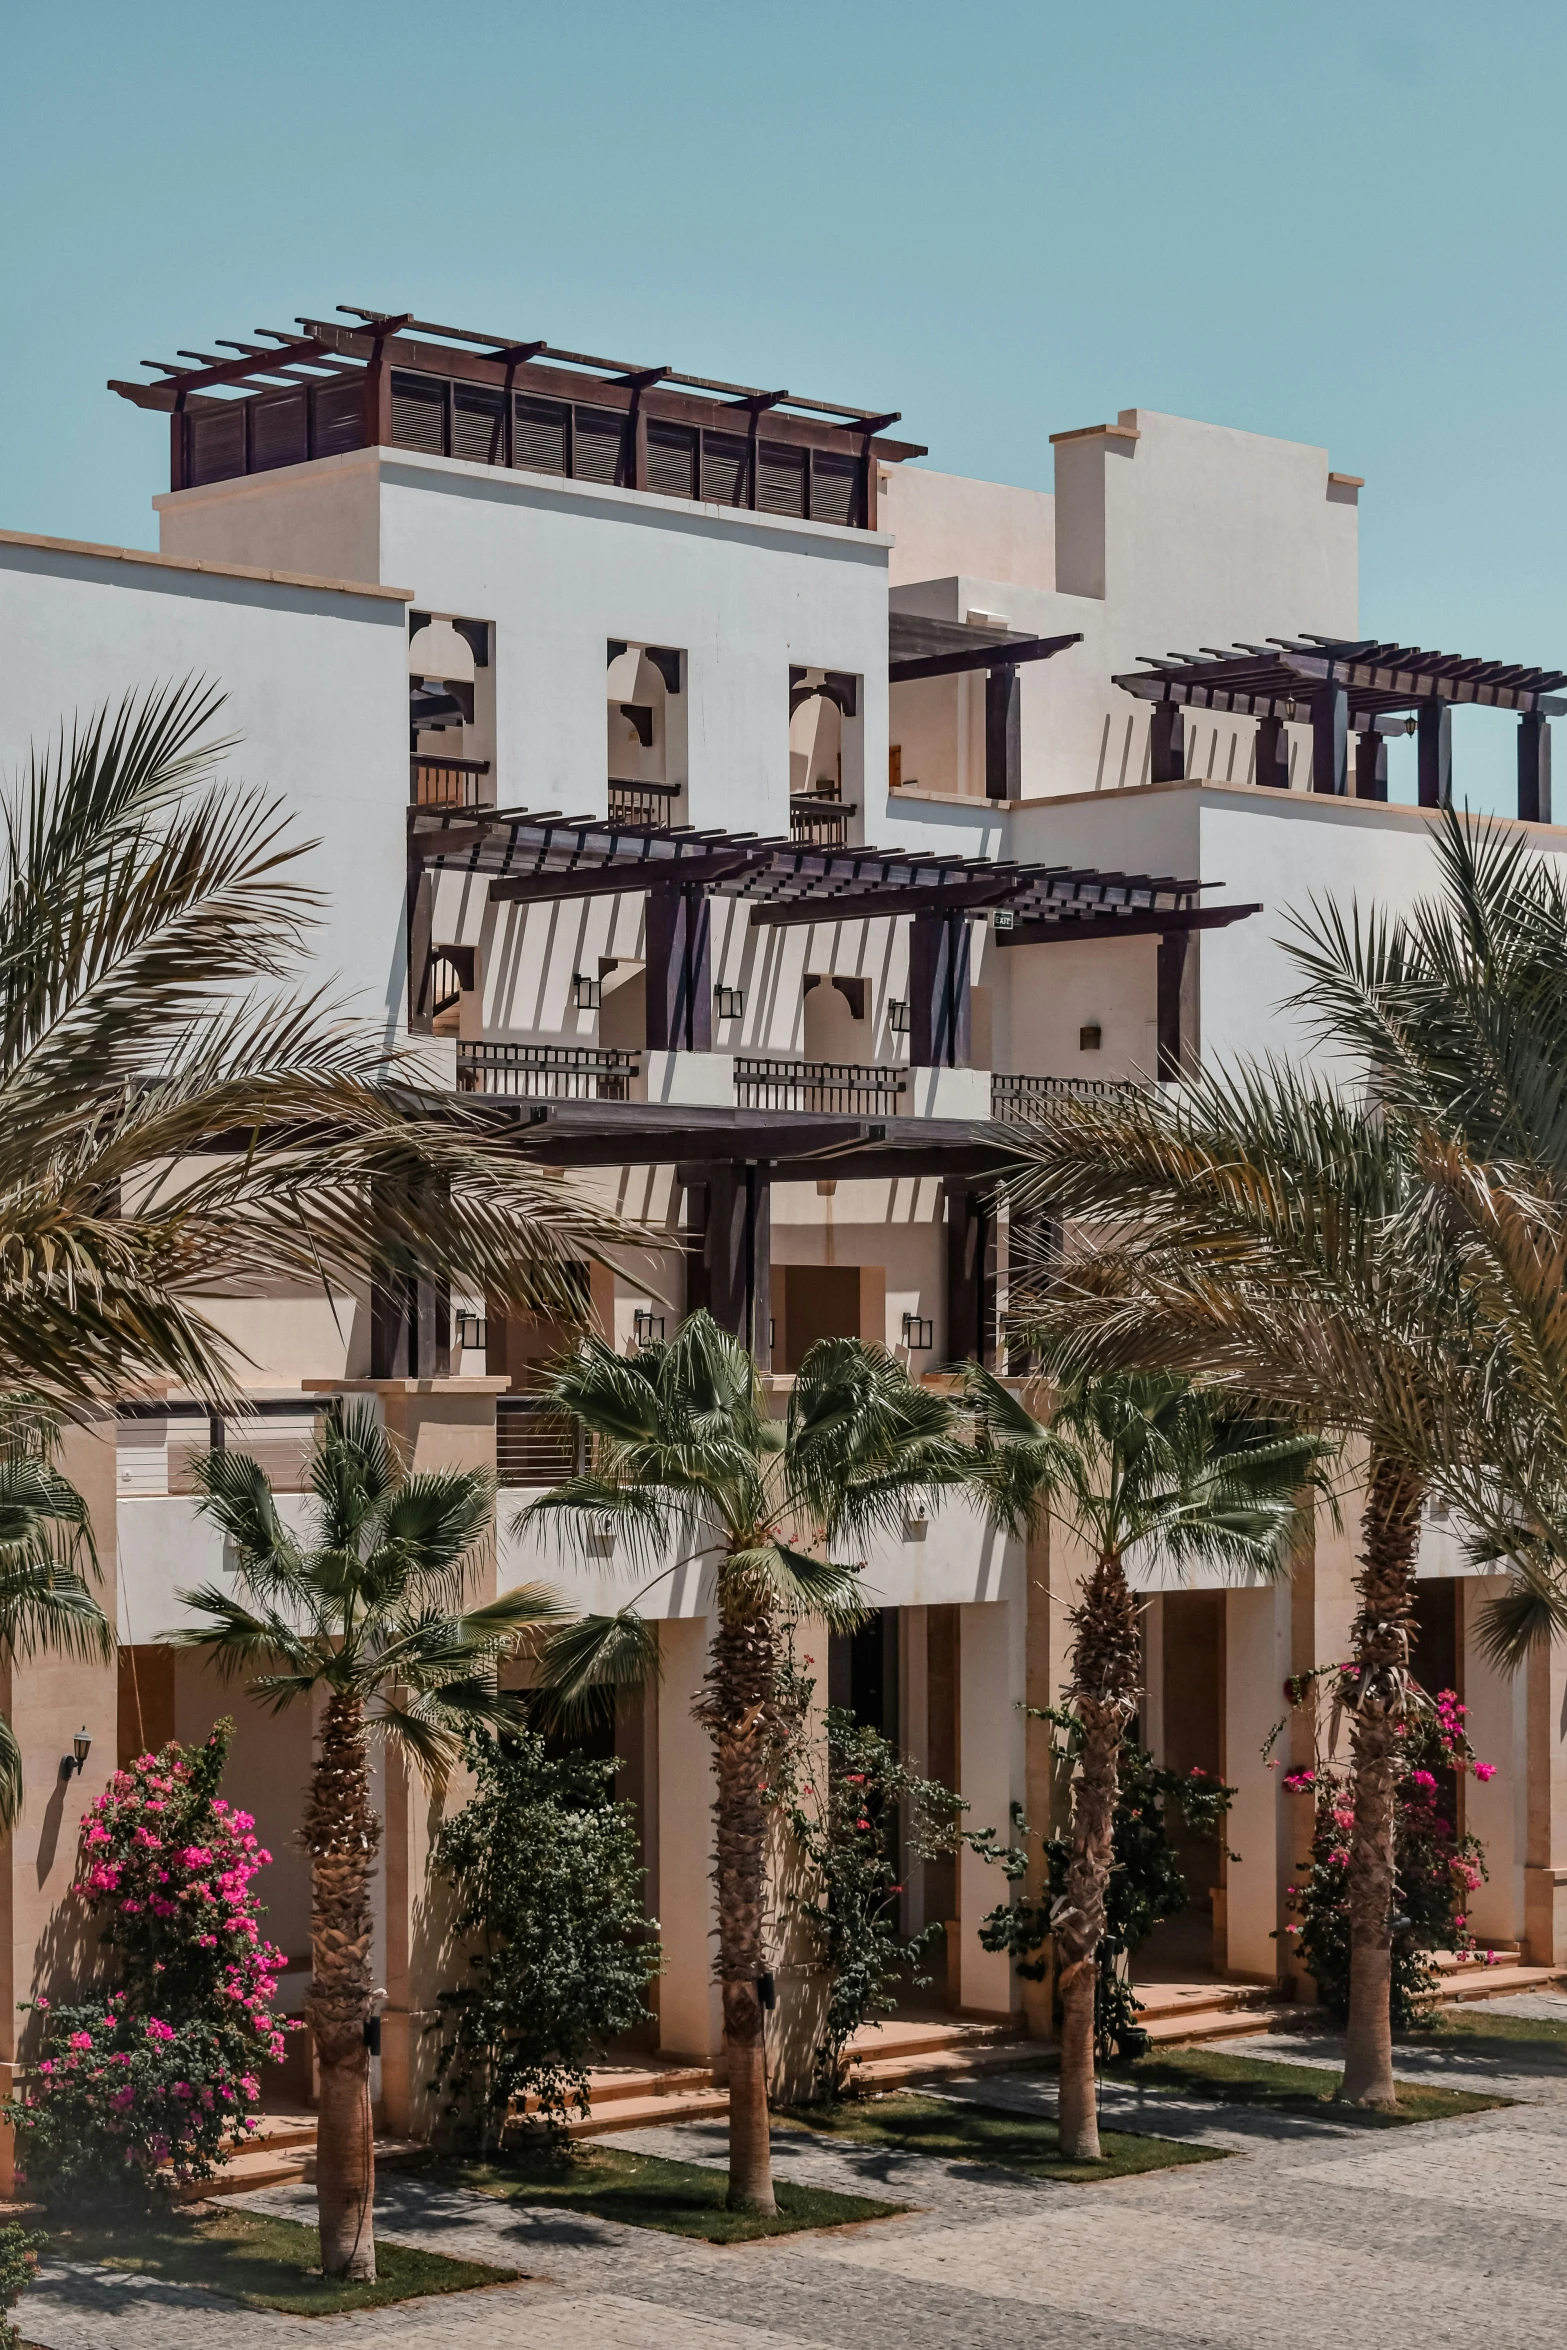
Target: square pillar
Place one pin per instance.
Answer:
(1003, 734)
(679, 971)
(1256, 1663)
(991, 1681)
(1273, 754)
(1496, 1810)
(940, 1035)
(1176, 1004)
(1330, 741)
(1534, 768)
(1166, 743)
(1434, 752)
(690, 2013)
(1371, 765)
(1545, 1863)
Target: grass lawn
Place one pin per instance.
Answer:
(644, 2191)
(982, 2133)
(1287, 2088)
(265, 2263)
(1530, 2039)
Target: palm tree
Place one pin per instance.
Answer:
(686, 1459)
(369, 1611)
(173, 1121)
(1139, 1465)
(45, 1540)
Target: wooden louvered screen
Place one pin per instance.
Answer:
(599, 445)
(726, 465)
(279, 432)
(835, 487)
(479, 424)
(217, 444)
(780, 481)
(671, 460)
(419, 413)
(539, 442)
(339, 418)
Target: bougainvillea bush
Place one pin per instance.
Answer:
(1438, 1870)
(146, 2081)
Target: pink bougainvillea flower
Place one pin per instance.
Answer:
(79, 2040)
(1485, 1770)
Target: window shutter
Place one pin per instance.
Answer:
(478, 417)
(538, 435)
(780, 484)
(599, 445)
(217, 443)
(339, 417)
(671, 460)
(726, 460)
(279, 432)
(835, 484)
(419, 413)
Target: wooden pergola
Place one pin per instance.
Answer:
(373, 379)
(1346, 687)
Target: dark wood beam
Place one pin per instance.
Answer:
(233, 371)
(864, 905)
(616, 880)
(1106, 925)
(992, 656)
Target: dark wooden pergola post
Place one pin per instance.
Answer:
(971, 1276)
(1434, 752)
(940, 1035)
(1273, 754)
(1003, 734)
(679, 971)
(1371, 765)
(1534, 767)
(1330, 741)
(1166, 743)
(737, 1254)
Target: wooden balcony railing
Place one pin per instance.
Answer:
(446, 783)
(820, 823)
(547, 1072)
(642, 803)
(851, 1087)
(1015, 1098)
(536, 1444)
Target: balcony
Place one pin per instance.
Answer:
(841, 1087)
(535, 1444)
(1014, 1100)
(642, 803)
(445, 783)
(547, 1072)
(817, 822)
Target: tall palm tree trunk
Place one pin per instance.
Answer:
(1390, 1531)
(1105, 1674)
(341, 1833)
(737, 1708)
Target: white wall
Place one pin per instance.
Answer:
(316, 686)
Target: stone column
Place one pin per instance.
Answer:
(439, 1424)
(47, 1943)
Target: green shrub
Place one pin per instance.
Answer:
(544, 1863)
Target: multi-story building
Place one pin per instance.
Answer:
(764, 826)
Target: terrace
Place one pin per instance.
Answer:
(369, 379)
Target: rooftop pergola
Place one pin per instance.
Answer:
(532, 858)
(375, 379)
(1351, 686)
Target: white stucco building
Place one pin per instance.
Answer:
(757, 818)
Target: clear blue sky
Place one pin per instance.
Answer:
(1340, 224)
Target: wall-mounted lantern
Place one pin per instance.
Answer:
(919, 1333)
(1088, 1038)
(72, 1764)
(898, 1016)
(472, 1332)
(647, 1328)
(587, 995)
(728, 1002)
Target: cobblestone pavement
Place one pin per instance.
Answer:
(1438, 2237)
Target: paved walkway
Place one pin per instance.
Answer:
(1439, 2237)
